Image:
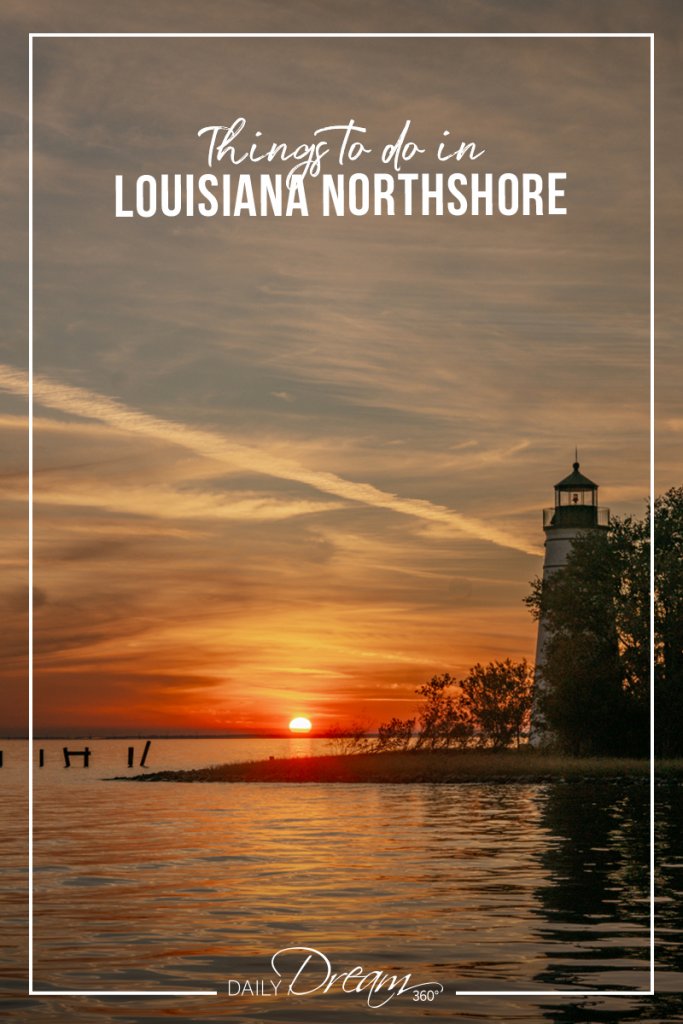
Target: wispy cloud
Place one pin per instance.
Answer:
(170, 503)
(251, 458)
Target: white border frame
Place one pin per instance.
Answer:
(541, 992)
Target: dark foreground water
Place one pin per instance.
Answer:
(502, 888)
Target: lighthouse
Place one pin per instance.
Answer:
(576, 510)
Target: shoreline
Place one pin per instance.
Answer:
(411, 767)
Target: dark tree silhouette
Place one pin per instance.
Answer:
(396, 734)
(669, 623)
(443, 723)
(595, 696)
(497, 700)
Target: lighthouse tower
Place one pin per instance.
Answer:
(576, 510)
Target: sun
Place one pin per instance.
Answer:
(300, 725)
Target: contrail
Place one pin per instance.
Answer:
(210, 444)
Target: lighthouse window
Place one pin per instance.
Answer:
(575, 498)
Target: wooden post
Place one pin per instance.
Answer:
(41, 758)
(131, 755)
(85, 754)
(145, 752)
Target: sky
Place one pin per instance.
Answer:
(297, 466)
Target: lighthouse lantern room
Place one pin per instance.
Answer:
(576, 504)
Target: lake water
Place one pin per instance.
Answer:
(167, 886)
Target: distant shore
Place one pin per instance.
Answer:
(423, 766)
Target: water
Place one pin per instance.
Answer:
(167, 886)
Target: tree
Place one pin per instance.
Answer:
(443, 723)
(348, 739)
(497, 701)
(395, 735)
(595, 674)
(669, 623)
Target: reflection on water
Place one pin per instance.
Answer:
(595, 907)
(493, 887)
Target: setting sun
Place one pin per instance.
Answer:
(300, 725)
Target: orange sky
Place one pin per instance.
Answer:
(298, 467)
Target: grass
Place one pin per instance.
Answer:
(425, 766)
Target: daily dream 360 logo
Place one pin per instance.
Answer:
(304, 971)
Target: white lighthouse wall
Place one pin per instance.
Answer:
(558, 543)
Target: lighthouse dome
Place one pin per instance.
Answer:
(576, 481)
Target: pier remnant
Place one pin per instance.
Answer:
(85, 754)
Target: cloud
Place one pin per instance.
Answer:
(171, 503)
(250, 458)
